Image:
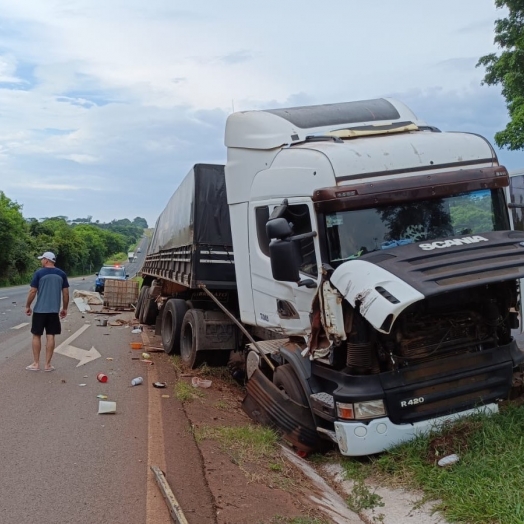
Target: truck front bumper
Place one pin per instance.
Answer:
(356, 438)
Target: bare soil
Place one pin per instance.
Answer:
(214, 479)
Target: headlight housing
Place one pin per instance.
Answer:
(361, 410)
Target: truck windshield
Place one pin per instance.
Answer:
(354, 233)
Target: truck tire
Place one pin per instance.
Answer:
(148, 309)
(286, 380)
(139, 303)
(172, 317)
(193, 325)
(145, 297)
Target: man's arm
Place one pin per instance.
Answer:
(65, 302)
(30, 297)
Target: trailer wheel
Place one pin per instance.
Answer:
(190, 339)
(286, 380)
(148, 309)
(172, 317)
(145, 294)
(139, 303)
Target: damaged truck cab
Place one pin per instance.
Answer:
(375, 267)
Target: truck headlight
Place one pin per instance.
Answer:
(361, 410)
(369, 409)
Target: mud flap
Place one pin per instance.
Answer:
(267, 405)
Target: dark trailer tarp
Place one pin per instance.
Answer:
(192, 239)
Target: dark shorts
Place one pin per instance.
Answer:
(48, 321)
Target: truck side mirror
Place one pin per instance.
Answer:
(278, 228)
(284, 258)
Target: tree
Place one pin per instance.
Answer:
(15, 254)
(507, 70)
(140, 222)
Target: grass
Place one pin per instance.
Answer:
(254, 449)
(242, 442)
(186, 392)
(485, 486)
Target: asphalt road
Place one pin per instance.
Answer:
(62, 462)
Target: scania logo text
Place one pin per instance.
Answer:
(439, 244)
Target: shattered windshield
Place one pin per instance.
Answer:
(351, 234)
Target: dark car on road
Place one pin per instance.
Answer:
(109, 272)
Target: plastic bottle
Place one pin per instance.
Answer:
(136, 381)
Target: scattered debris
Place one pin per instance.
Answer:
(159, 384)
(82, 385)
(102, 397)
(165, 396)
(150, 362)
(109, 358)
(448, 461)
(136, 381)
(136, 345)
(136, 330)
(146, 356)
(85, 299)
(118, 322)
(198, 382)
(101, 377)
(106, 406)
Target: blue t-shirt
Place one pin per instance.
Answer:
(49, 281)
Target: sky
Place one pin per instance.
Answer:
(106, 105)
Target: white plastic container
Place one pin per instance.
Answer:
(106, 406)
(136, 381)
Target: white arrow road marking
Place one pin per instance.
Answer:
(3, 298)
(21, 325)
(82, 355)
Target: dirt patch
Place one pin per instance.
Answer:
(240, 474)
(453, 440)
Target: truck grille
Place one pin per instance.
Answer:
(452, 385)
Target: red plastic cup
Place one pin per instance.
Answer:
(101, 377)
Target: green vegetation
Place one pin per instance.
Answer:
(485, 486)
(507, 70)
(186, 392)
(242, 442)
(81, 245)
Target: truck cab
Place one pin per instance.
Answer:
(379, 252)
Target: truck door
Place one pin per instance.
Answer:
(282, 305)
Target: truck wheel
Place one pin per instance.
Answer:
(139, 303)
(172, 317)
(149, 311)
(145, 297)
(286, 380)
(190, 338)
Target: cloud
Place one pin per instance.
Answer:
(119, 99)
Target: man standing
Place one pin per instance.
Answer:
(50, 286)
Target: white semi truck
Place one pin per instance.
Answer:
(364, 263)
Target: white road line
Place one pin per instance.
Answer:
(21, 325)
(2, 298)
